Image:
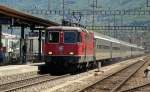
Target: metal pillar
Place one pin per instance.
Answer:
(63, 6)
(1, 45)
(49, 2)
(0, 36)
(39, 54)
(99, 66)
(114, 19)
(111, 50)
(21, 44)
(31, 44)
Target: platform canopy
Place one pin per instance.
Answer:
(17, 18)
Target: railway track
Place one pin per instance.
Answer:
(138, 81)
(115, 81)
(25, 83)
(141, 88)
(17, 77)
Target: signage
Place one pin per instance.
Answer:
(5, 20)
(35, 34)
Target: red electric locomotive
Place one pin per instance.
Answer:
(68, 47)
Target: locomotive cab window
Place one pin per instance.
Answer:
(70, 37)
(53, 37)
(79, 39)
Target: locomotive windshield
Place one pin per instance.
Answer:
(53, 37)
(70, 37)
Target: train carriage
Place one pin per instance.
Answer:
(67, 46)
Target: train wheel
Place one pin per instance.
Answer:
(84, 67)
(96, 64)
(75, 68)
(87, 66)
(72, 69)
(43, 69)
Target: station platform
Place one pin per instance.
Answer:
(18, 69)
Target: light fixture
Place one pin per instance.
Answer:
(50, 53)
(71, 53)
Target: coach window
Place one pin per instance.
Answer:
(116, 48)
(97, 46)
(133, 49)
(104, 47)
(53, 37)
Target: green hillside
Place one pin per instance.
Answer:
(83, 5)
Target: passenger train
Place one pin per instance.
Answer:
(75, 47)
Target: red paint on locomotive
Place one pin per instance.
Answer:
(82, 44)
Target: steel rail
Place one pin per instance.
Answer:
(35, 83)
(110, 75)
(21, 76)
(9, 83)
(130, 75)
(130, 89)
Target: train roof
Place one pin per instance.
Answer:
(66, 28)
(96, 35)
(108, 38)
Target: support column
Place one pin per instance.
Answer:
(1, 45)
(39, 54)
(0, 36)
(31, 45)
(30, 55)
(21, 44)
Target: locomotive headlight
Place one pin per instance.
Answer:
(71, 53)
(50, 53)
